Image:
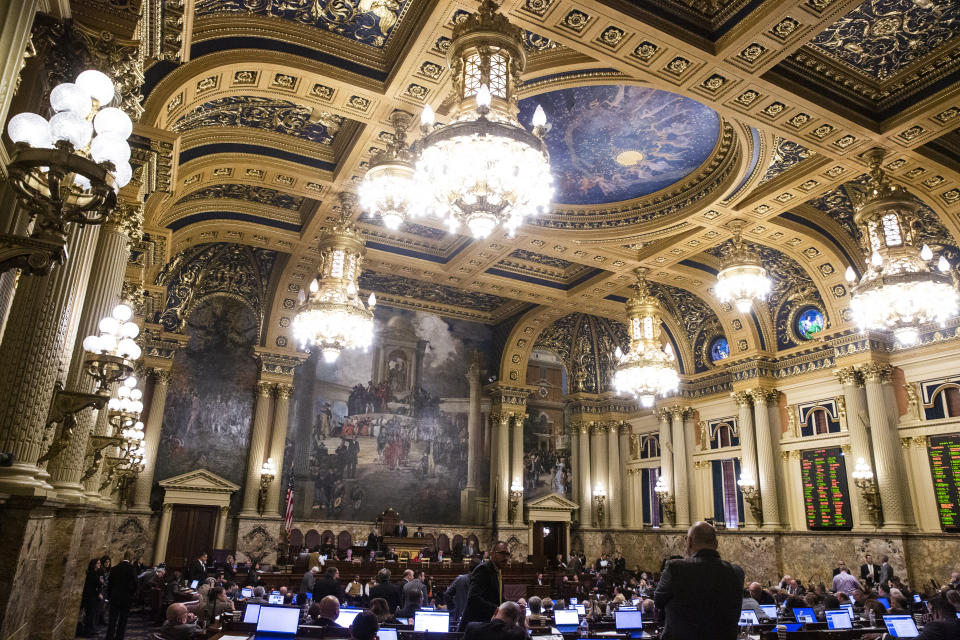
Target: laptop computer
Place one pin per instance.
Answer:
(566, 620)
(901, 626)
(246, 592)
(251, 613)
(627, 609)
(574, 601)
(581, 609)
(804, 614)
(790, 626)
(387, 633)
(748, 617)
(275, 598)
(916, 597)
(436, 621)
(849, 609)
(630, 622)
(345, 619)
(770, 610)
(838, 619)
(885, 602)
(193, 585)
(278, 621)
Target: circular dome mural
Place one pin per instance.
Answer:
(610, 143)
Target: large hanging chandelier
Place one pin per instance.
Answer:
(901, 289)
(332, 317)
(483, 168)
(648, 369)
(388, 189)
(742, 278)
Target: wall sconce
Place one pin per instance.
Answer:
(666, 501)
(599, 498)
(62, 173)
(516, 495)
(267, 474)
(863, 478)
(748, 487)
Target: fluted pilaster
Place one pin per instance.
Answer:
(886, 445)
(278, 443)
(258, 448)
(502, 473)
(614, 484)
(681, 466)
(151, 437)
(857, 421)
(766, 461)
(474, 428)
(748, 445)
(666, 448)
(598, 465)
(585, 476)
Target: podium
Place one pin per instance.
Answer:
(412, 546)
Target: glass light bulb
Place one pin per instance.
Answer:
(71, 127)
(943, 264)
(330, 355)
(743, 306)
(109, 148)
(109, 325)
(30, 128)
(123, 391)
(138, 426)
(926, 253)
(113, 404)
(876, 259)
(129, 330)
(71, 97)
(136, 405)
(123, 175)
(128, 349)
(122, 312)
(351, 289)
(130, 382)
(539, 117)
(91, 344)
(114, 122)
(850, 275)
(98, 85)
(314, 286)
(426, 116)
(108, 343)
(483, 96)
(136, 394)
(372, 301)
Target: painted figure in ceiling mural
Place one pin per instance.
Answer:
(386, 428)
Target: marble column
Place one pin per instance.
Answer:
(221, 527)
(857, 425)
(258, 449)
(163, 534)
(151, 438)
(32, 351)
(474, 429)
(598, 465)
(574, 462)
(614, 484)
(626, 490)
(886, 446)
(583, 480)
(921, 478)
(748, 447)
(666, 448)
(502, 474)
(278, 443)
(516, 452)
(103, 284)
(681, 467)
(766, 461)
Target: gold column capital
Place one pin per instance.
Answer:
(849, 376)
(284, 391)
(764, 396)
(161, 376)
(742, 398)
(168, 507)
(921, 442)
(681, 412)
(265, 389)
(904, 443)
(224, 510)
(599, 427)
(663, 413)
(876, 372)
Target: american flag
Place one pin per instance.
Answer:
(288, 518)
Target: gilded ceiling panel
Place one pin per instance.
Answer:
(370, 22)
(247, 193)
(786, 154)
(586, 344)
(428, 292)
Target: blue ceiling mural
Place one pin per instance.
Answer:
(369, 22)
(247, 193)
(613, 142)
(428, 292)
(219, 268)
(881, 37)
(586, 344)
(271, 114)
(785, 155)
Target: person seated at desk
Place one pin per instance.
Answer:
(180, 623)
(325, 612)
(389, 555)
(504, 625)
(259, 596)
(218, 602)
(380, 609)
(364, 626)
(469, 551)
(943, 624)
(355, 591)
(418, 533)
(534, 611)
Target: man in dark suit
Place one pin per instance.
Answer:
(700, 594)
(198, 569)
(505, 625)
(328, 585)
(456, 595)
(373, 541)
(401, 530)
(389, 592)
(325, 612)
(486, 587)
(840, 567)
(418, 533)
(886, 572)
(869, 572)
(122, 586)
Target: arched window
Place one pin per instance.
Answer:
(724, 435)
(650, 448)
(819, 421)
(951, 402)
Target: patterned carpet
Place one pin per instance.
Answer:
(139, 627)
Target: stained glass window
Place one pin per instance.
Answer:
(719, 349)
(810, 322)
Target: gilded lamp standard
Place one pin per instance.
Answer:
(64, 174)
(332, 317)
(748, 487)
(901, 288)
(599, 499)
(863, 478)
(648, 369)
(268, 472)
(666, 500)
(484, 169)
(516, 495)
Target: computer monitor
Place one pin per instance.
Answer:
(849, 609)
(251, 613)
(581, 609)
(247, 592)
(748, 617)
(278, 620)
(916, 597)
(791, 626)
(901, 626)
(387, 633)
(627, 609)
(770, 610)
(804, 614)
(885, 602)
(574, 601)
(293, 600)
(345, 619)
(275, 598)
(193, 585)
(436, 621)
(838, 619)
(628, 620)
(566, 619)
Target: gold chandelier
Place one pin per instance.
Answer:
(332, 317)
(388, 190)
(742, 278)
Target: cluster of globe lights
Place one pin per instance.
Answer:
(116, 337)
(483, 169)
(124, 410)
(79, 111)
(902, 287)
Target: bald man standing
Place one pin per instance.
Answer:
(700, 594)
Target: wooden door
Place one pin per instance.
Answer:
(191, 532)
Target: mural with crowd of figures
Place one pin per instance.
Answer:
(386, 427)
(207, 419)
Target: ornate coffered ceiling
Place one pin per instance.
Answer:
(669, 120)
